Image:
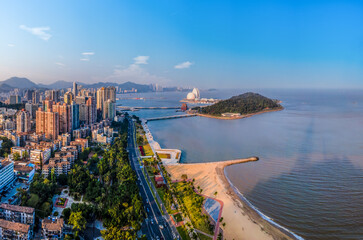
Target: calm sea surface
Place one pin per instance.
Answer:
(310, 174)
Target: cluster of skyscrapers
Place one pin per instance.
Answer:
(57, 115)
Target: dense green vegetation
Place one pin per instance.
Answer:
(17, 106)
(244, 104)
(40, 195)
(5, 147)
(107, 186)
(110, 184)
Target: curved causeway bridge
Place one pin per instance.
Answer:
(170, 117)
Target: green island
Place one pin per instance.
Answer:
(239, 106)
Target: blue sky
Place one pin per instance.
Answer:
(222, 44)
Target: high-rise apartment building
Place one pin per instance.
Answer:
(75, 90)
(92, 112)
(103, 95)
(32, 109)
(80, 100)
(47, 123)
(47, 105)
(75, 115)
(23, 121)
(83, 114)
(87, 112)
(28, 94)
(15, 99)
(65, 117)
(35, 97)
(68, 98)
(55, 95)
(109, 109)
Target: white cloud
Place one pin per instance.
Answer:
(135, 73)
(38, 31)
(11, 45)
(88, 53)
(86, 56)
(141, 59)
(60, 64)
(183, 65)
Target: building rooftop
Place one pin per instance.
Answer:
(53, 225)
(19, 227)
(17, 208)
(22, 168)
(5, 163)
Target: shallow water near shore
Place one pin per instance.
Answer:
(310, 174)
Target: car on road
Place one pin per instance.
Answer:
(161, 226)
(152, 221)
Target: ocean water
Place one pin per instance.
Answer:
(310, 174)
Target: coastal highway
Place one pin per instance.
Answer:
(156, 225)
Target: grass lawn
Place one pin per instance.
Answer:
(178, 217)
(183, 233)
(164, 155)
(147, 149)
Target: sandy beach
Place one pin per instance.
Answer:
(242, 222)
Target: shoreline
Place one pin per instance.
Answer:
(253, 208)
(217, 171)
(239, 117)
(242, 218)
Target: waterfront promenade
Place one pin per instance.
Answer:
(175, 154)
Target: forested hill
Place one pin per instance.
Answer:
(244, 104)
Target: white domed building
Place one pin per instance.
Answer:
(196, 93)
(191, 96)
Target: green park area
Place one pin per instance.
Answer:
(178, 217)
(192, 206)
(183, 232)
(147, 149)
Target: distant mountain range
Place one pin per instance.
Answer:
(22, 83)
